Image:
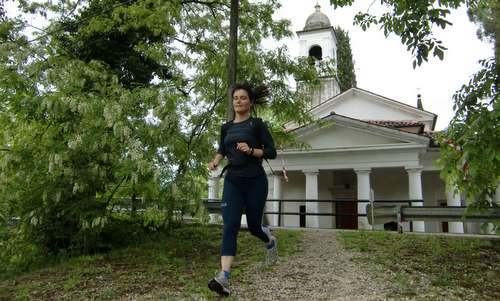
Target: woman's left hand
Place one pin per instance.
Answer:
(243, 147)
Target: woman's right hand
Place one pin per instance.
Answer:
(213, 165)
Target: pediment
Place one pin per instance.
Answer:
(367, 106)
(339, 136)
(342, 132)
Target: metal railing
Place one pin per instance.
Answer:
(213, 206)
(381, 214)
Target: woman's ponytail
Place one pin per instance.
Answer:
(257, 95)
(260, 93)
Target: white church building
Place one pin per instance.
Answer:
(366, 147)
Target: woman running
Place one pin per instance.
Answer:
(245, 141)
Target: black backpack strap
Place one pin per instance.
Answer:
(224, 170)
(258, 128)
(272, 171)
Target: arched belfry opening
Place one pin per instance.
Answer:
(316, 52)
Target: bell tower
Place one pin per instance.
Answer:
(317, 40)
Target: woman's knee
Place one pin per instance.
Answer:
(231, 226)
(255, 230)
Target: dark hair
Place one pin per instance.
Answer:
(256, 94)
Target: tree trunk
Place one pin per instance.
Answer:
(134, 201)
(233, 54)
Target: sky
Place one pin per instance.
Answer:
(384, 66)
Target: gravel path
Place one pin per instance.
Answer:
(322, 270)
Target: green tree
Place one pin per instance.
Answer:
(470, 151)
(345, 63)
(486, 14)
(2, 9)
(124, 98)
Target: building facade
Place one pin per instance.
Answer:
(362, 147)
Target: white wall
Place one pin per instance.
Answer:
(429, 159)
(359, 105)
(293, 189)
(434, 191)
(325, 38)
(390, 183)
(433, 188)
(328, 89)
(325, 183)
(362, 107)
(340, 136)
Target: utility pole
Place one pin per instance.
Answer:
(233, 52)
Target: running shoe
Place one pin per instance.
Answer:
(272, 253)
(219, 284)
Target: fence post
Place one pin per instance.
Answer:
(400, 218)
(279, 212)
(411, 222)
(372, 202)
(372, 215)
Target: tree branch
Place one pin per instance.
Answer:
(70, 13)
(193, 45)
(184, 92)
(114, 191)
(207, 3)
(195, 134)
(40, 135)
(38, 28)
(200, 127)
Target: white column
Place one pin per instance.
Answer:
(312, 221)
(213, 187)
(270, 187)
(453, 199)
(364, 190)
(415, 193)
(490, 227)
(213, 192)
(372, 201)
(276, 195)
(267, 218)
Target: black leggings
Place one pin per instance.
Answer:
(239, 193)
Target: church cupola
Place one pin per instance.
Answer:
(317, 20)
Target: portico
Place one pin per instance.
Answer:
(349, 161)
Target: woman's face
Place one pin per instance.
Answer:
(241, 101)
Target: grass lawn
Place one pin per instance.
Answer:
(163, 266)
(431, 267)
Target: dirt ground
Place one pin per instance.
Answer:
(322, 270)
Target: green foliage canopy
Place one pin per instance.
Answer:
(124, 99)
